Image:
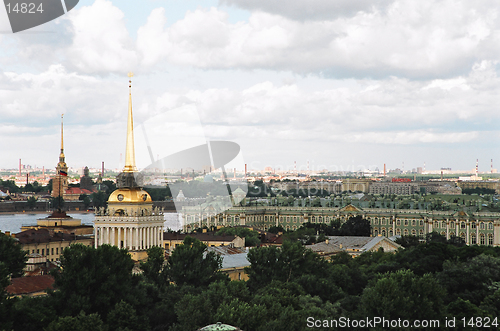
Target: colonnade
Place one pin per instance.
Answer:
(132, 238)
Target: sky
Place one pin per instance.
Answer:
(341, 85)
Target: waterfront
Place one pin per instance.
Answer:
(13, 222)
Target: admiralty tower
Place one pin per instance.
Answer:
(129, 221)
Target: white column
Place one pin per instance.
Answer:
(477, 233)
(96, 236)
(467, 241)
(447, 229)
(113, 241)
(148, 235)
(137, 238)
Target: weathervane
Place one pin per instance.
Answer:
(130, 75)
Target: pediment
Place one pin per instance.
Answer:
(351, 208)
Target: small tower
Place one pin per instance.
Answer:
(130, 221)
(60, 180)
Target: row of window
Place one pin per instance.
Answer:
(463, 225)
(51, 252)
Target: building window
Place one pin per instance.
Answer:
(406, 232)
(413, 232)
(473, 239)
(413, 223)
(473, 225)
(38, 251)
(52, 251)
(398, 222)
(490, 240)
(482, 239)
(462, 225)
(421, 223)
(452, 224)
(398, 232)
(43, 251)
(406, 222)
(482, 225)
(490, 226)
(57, 250)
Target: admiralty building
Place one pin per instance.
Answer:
(481, 228)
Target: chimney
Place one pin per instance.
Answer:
(384, 170)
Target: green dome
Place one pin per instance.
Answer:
(219, 327)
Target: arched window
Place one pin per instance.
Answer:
(473, 240)
(490, 239)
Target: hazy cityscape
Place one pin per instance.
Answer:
(249, 165)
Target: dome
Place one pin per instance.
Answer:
(219, 327)
(130, 195)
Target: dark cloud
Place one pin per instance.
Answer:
(311, 9)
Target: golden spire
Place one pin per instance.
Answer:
(129, 152)
(61, 156)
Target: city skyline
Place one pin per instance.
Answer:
(345, 86)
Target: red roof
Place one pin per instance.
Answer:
(29, 285)
(77, 190)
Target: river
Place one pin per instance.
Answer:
(13, 222)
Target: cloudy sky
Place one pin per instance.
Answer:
(342, 84)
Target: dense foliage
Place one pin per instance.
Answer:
(97, 290)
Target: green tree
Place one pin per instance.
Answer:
(123, 317)
(470, 280)
(31, 202)
(191, 264)
(86, 200)
(408, 241)
(56, 202)
(153, 266)
(99, 199)
(12, 256)
(81, 322)
(93, 280)
(435, 237)
(403, 295)
(251, 236)
(356, 226)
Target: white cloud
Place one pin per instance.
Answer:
(412, 39)
(101, 42)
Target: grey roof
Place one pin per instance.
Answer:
(227, 250)
(235, 261)
(358, 243)
(325, 248)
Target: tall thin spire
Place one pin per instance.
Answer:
(61, 156)
(130, 152)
